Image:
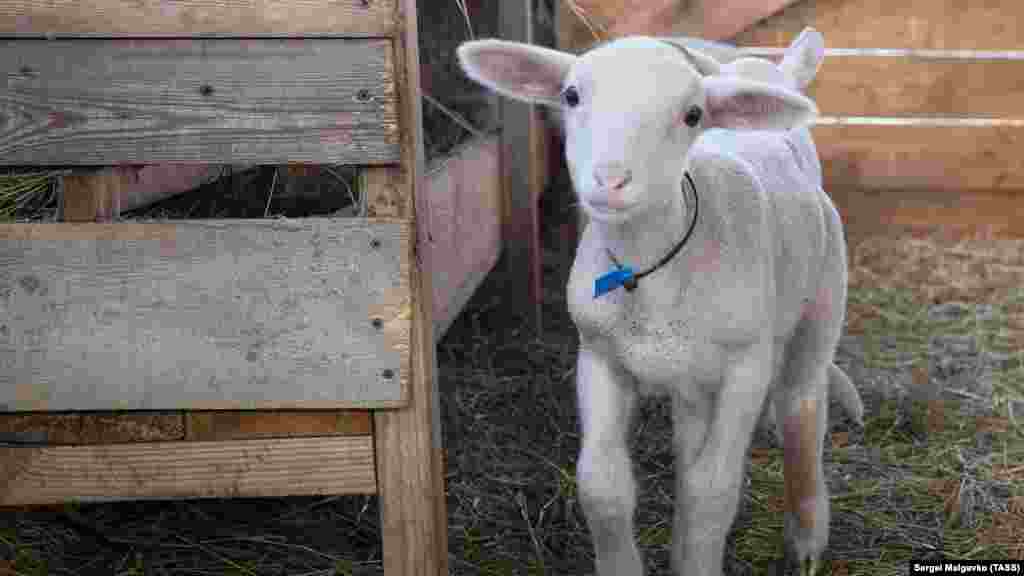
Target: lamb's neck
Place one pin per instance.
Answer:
(646, 237)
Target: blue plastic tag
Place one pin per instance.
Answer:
(612, 280)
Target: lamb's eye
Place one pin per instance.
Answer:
(692, 116)
(571, 97)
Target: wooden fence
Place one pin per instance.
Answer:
(225, 358)
(921, 101)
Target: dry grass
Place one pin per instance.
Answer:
(983, 271)
(29, 193)
(895, 282)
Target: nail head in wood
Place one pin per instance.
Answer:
(377, 323)
(206, 89)
(375, 243)
(388, 373)
(363, 95)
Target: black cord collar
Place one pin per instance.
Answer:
(630, 283)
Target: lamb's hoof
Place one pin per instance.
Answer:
(810, 567)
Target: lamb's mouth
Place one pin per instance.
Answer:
(606, 214)
(605, 211)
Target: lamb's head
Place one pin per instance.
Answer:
(631, 109)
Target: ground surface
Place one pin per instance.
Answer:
(938, 467)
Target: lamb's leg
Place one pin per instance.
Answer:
(691, 415)
(709, 489)
(804, 417)
(801, 401)
(691, 419)
(802, 404)
(604, 472)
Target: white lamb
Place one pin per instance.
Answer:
(713, 271)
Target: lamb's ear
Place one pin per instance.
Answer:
(802, 59)
(519, 71)
(740, 103)
(704, 63)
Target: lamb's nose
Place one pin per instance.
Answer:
(612, 176)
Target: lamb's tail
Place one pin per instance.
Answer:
(840, 388)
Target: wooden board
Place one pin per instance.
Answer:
(40, 428)
(56, 428)
(711, 19)
(205, 314)
(926, 157)
(464, 191)
(131, 427)
(920, 87)
(90, 428)
(950, 213)
(922, 24)
(219, 101)
(156, 470)
(197, 17)
(235, 425)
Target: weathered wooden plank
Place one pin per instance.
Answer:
(923, 157)
(197, 17)
(56, 428)
(212, 101)
(157, 470)
(908, 86)
(91, 427)
(921, 24)
(41, 428)
(464, 192)
(410, 467)
(714, 20)
(236, 425)
(101, 195)
(104, 194)
(711, 19)
(114, 427)
(950, 213)
(205, 314)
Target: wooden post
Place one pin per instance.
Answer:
(410, 463)
(521, 219)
